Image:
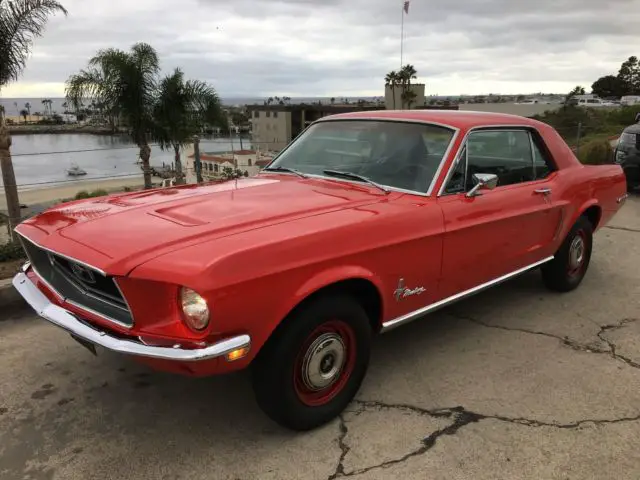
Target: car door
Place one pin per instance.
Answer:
(504, 229)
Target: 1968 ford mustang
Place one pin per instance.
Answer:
(365, 222)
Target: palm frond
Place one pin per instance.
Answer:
(21, 21)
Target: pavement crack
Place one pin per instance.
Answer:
(566, 341)
(612, 346)
(626, 229)
(344, 450)
(461, 417)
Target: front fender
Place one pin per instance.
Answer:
(326, 278)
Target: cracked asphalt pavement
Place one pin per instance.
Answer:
(514, 383)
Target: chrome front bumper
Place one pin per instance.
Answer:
(67, 321)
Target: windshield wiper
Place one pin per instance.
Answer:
(284, 169)
(355, 176)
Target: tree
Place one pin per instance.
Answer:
(21, 21)
(609, 86)
(406, 74)
(23, 114)
(28, 107)
(578, 90)
(392, 80)
(126, 82)
(629, 75)
(180, 111)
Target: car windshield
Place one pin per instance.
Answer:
(393, 154)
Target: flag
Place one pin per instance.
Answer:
(406, 6)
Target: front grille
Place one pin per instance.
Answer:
(79, 284)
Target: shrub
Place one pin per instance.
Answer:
(11, 251)
(96, 193)
(597, 152)
(99, 193)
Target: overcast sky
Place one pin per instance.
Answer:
(345, 47)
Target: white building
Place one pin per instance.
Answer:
(249, 162)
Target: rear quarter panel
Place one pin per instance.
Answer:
(578, 187)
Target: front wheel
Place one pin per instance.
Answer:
(569, 266)
(313, 366)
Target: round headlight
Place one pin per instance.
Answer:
(194, 309)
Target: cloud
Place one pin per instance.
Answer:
(344, 47)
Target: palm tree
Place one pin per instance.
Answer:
(126, 83)
(181, 110)
(20, 23)
(391, 80)
(23, 114)
(27, 106)
(404, 77)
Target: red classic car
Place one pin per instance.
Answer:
(365, 222)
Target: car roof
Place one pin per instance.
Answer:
(462, 119)
(635, 128)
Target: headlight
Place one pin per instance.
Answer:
(194, 309)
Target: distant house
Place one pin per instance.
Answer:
(214, 163)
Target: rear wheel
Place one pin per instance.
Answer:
(313, 366)
(569, 266)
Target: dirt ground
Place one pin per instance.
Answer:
(514, 383)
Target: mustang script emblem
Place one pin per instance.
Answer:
(83, 273)
(404, 292)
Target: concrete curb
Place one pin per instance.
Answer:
(10, 299)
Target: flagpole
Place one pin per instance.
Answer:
(401, 34)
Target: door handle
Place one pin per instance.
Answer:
(542, 191)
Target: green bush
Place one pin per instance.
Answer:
(96, 193)
(11, 251)
(597, 152)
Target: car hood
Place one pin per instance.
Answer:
(119, 232)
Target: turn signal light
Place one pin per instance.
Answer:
(237, 354)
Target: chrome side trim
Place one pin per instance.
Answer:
(67, 321)
(396, 322)
(101, 272)
(464, 143)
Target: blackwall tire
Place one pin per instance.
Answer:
(314, 364)
(571, 262)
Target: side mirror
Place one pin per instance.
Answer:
(484, 181)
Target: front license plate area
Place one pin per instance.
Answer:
(88, 345)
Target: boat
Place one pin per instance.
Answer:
(76, 171)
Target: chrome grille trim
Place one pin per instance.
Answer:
(102, 304)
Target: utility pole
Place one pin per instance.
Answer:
(9, 177)
(196, 158)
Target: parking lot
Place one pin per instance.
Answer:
(516, 382)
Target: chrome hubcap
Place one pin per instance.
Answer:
(576, 252)
(323, 361)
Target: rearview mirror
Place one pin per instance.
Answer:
(484, 181)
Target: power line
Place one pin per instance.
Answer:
(78, 182)
(32, 154)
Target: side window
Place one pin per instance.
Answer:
(542, 165)
(505, 153)
(456, 183)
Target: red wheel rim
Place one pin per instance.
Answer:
(324, 363)
(577, 254)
